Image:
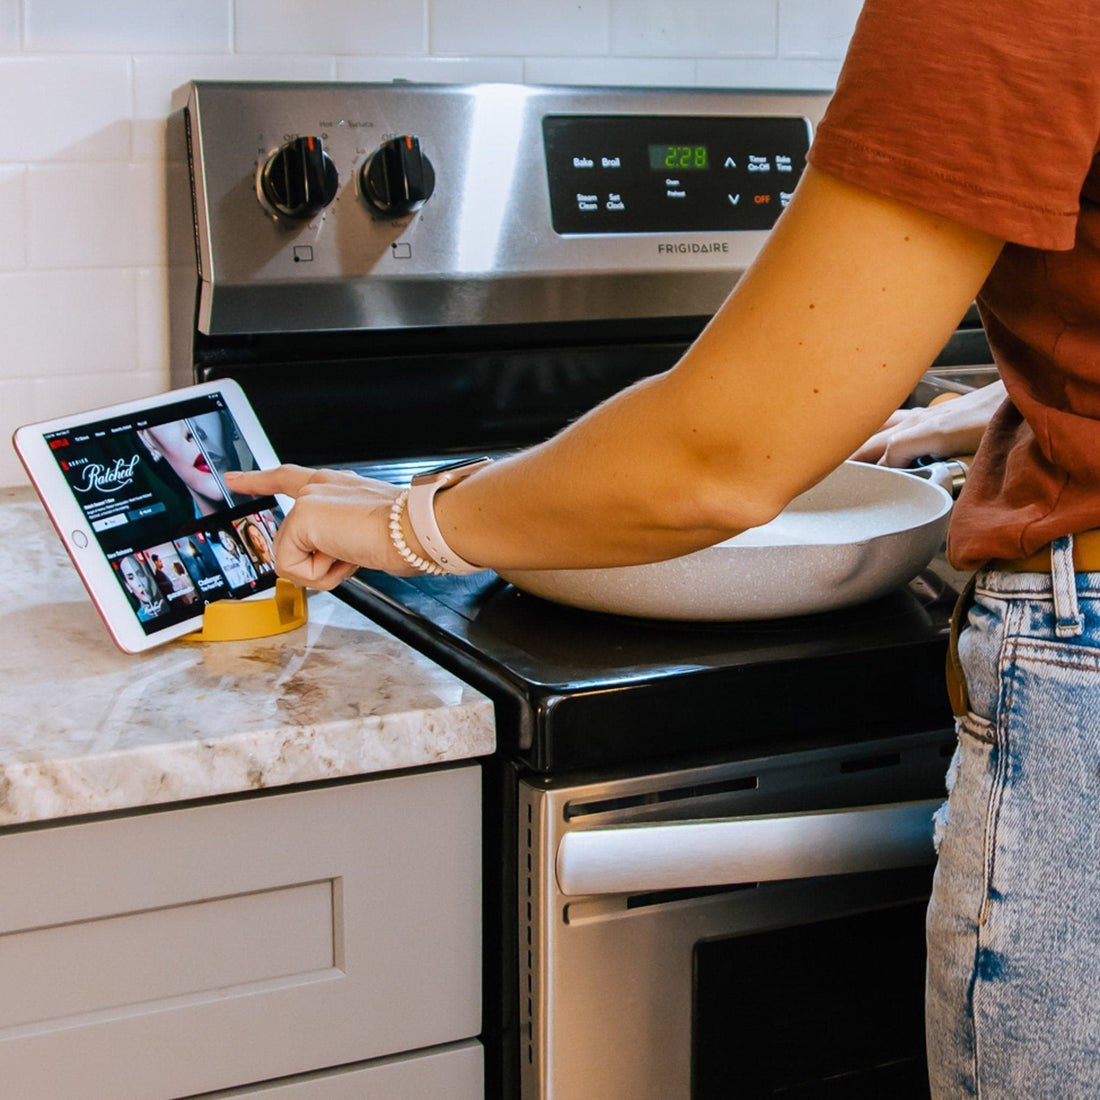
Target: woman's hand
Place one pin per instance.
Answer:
(339, 523)
(943, 430)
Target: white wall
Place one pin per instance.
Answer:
(85, 87)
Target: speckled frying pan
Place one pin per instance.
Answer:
(859, 533)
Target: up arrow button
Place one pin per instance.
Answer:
(730, 162)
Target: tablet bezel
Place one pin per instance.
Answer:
(75, 530)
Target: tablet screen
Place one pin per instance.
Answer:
(151, 487)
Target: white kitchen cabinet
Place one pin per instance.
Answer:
(453, 1072)
(222, 945)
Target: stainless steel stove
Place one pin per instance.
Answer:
(398, 274)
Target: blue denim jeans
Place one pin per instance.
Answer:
(1013, 999)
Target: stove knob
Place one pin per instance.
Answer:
(397, 179)
(299, 179)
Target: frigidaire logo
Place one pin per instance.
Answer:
(681, 248)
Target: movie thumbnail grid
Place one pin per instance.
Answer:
(176, 579)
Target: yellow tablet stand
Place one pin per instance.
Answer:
(235, 620)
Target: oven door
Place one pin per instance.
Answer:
(747, 929)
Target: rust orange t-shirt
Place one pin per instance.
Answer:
(988, 112)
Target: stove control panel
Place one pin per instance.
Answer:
(671, 173)
(344, 206)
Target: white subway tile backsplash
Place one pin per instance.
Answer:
(157, 78)
(128, 26)
(66, 322)
(530, 28)
(432, 70)
(55, 397)
(332, 26)
(71, 108)
(626, 72)
(13, 218)
(114, 218)
(694, 28)
(816, 28)
(800, 75)
(9, 26)
(153, 332)
(16, 409)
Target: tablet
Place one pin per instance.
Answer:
(137, 494)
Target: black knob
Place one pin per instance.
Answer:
(398, 179)
(299, 179)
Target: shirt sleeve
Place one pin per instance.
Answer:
(984, 111)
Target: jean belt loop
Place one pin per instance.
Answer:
(1068, 620)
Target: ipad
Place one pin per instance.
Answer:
(137, 494)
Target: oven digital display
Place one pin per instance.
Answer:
(619, 174)
(680, 158)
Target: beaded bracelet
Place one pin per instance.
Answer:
(402, 547)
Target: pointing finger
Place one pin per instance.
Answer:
(288, 480)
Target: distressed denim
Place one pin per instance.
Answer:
(1013, 998)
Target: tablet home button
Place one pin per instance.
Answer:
(80, 539)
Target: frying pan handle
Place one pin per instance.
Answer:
(947, 473)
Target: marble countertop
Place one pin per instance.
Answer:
(85, 728)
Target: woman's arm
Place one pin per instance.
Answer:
(849, 301)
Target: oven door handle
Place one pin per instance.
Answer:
(685, 854)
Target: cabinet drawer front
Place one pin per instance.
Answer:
(450, 1073)
(183, 951)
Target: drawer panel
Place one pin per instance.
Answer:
(70, 970)
(448, 1073)
(183, 951)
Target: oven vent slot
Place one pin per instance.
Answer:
(664, 897)
(870, 763)
(654, 798)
